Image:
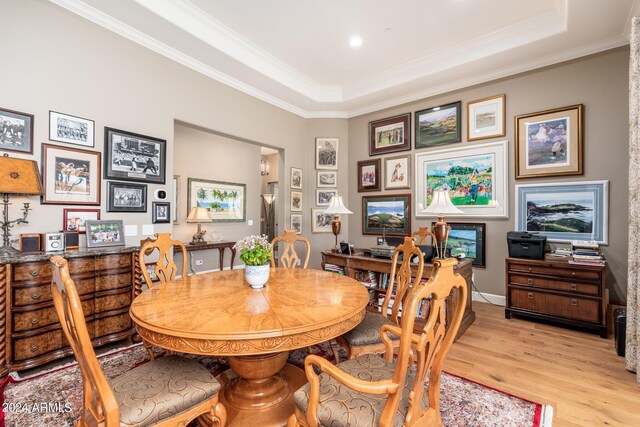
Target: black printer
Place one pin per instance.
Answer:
(526, 245)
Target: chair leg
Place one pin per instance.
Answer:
(149, 348)
(297, 419)
(218, 415)
(336, 351)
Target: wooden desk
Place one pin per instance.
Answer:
(220, 246)
(219, 314)
(361, 262)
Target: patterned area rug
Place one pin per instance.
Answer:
(55, 398)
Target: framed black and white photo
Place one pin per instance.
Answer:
(327, 179)
(71, 129)
(327, 153)
(323, 197)
(16, 131)
(105, 233)
(133, 157)
(126, 197)
(320, 221)
(160, 212)
(70, 176)
(296, 223)
(296, 178)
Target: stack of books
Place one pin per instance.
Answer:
(586, 252)
(334, 268)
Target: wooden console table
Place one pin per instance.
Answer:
(360, 262)
(220, 246)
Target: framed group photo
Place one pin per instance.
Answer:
(71, 129)
(133, 157)
(16, 131)
(369, 175)
(225, 201)
(388, 214)
(76, 219)
(549, 143)
(105, 233)
(390, 135)
(397, 172)
(468, 239)
(438, 125)
(70, 176)
(126, 197)
(486, 118)
(327, 153)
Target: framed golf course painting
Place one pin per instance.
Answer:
(391, 214)
(468, 239)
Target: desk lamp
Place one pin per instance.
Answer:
(198, 215)
(441, 205)
(336, 207)
(19, 177)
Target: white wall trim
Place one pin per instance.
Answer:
(493, 299)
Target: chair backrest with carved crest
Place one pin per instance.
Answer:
(421, 236)
(166, 268)
(289, 257)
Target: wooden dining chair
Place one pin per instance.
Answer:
(168, 391)
(289, 257)
(165, 269)
(421, 235)
(372, 390)
(365, 338)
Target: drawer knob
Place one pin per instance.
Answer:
(122, 323)
(122, 301)
(573, 286)
(530, 281)
(36, 295)
(34, 320)
(34, 273)
(530, 295)
(573, 273)
(530, 269)
(574, 301)
(34, 347)
(122, 280)
(122, 262)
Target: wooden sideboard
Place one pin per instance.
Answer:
(555, 290)
(359, 261)
(30, 333)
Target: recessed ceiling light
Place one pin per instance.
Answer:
(355, 41)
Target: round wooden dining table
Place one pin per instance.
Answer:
(218, 314)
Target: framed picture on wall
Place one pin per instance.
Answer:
(327, 179)
(369, 175)
(75, 219)
(70, 176)
(105, 233)
(296, 223)
(16, 131)
(391, 214)
(130, 156)
(486, 118)
(174, 205)
(327, 153)
(225, 201)
(126, 197)
(160, 212)
(397, 172)
(296, 201)
(296, 178)
(468, 239)
(71, 129)
(438, 125)
(320, 221)
(390, 135)
(324, 196)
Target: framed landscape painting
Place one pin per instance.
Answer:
(564, 212)
(133, 157)
(468, 239)
(390, 135)
(486, 118)
(70, 176)
(397, 172)
(438, 125)
(391, 214)
(16, 131)
(369, 175)
(225, 201)
(327, 179)
(475, 178)
(549, 143)
(327, 153)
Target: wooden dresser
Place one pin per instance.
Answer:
(30, 333)
(555, 290)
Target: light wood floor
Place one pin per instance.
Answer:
(578, 373)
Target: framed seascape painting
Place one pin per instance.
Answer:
(296, 201)
(126, 197)
(225, 201)
(296, 178)
(71, 129)
(438, 125)
(390, 135)
(75, 219)
(320, 221)
(327, 179)
(105, 233)
(565, 211)
(133, 157)
(388, 214)
(475, 178)
(486, 118)
(16, 131)
(397, 172)
(468, 239)
(369, 175)
(70, 176)
(327, 153)
(296, 223)
(323, 197)
(549, 143)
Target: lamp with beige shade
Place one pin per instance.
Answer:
(440, 205)
(199, 215)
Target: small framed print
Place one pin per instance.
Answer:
(296, 178)
(160, 212)
(126, 197)
(296, 201)
(486, 118)
(71, 129)
(390, 135)
(327, 153)
(397, 172)
(323, 197)
(174, 205)
(438, 125)
(320, 221)
(105, 233)
(75, 219)
(16, 131)
(296, 223)
(369, 175)
(133, 157)
(70, 176)
(327, 179)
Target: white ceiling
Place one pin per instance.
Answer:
(295, 53)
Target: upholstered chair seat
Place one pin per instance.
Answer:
(368, 331)
(161, 389)
(340, 405)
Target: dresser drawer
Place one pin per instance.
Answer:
(26, 348)
(43, 270)
(111, 325)
(35, 319)
(37, 294)
(113, 281)
(555, 284)
(568, 307)
(558, 271)
(110, 262)
(113, 302)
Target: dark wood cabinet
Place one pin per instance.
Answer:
(555, 290)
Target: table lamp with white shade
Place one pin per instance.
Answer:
(336, 208)
(198, 215)
(440, 205)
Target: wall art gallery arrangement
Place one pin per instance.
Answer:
(326, 183)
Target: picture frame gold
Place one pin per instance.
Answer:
(486, 118)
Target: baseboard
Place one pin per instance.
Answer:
(493, 299)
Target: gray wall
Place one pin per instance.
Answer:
(599, 82)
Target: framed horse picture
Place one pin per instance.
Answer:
(70, 176)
